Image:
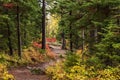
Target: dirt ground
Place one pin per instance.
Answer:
(24, 73)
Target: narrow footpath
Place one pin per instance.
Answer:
(25, 73)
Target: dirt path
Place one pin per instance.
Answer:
(24, 73)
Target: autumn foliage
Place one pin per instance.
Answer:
(48, 50)
(8, 5)
(51, 39)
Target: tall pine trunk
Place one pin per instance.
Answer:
(9, 40)
(71, 42)
(96, 35)
(63, 41)
(18, 32)
(83, 39)
(83, 44)
(91, 40)
(43, 24)
(118, 21)
(99, 36)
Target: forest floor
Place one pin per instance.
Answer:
(25, 73)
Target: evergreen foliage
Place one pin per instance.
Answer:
(30, 23)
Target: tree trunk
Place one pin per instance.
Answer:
(9, 40)
(63, 41)
(83, 44)
(99, 36)
(96, 35)
(83, 37)
(71, 43)
(91, 40)
(118, 21)
(25, 37)
(18, 33)
(43, 24)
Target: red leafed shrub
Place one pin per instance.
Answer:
(37, 45)
(8, 5)
(48, 50)
(51, 39)
(54, 39)
(50, 53)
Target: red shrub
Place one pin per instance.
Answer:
(48, 50)
(8, 5)
(51, 39)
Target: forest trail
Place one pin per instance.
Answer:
(25, 73)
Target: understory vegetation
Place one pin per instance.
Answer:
(4, 73)
(30, 56)
(88, 30)
(72, 68)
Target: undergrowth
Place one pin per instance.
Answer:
(4, 75)
(29, 56)
(73, 69)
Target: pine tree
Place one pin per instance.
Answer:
(109, 47)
